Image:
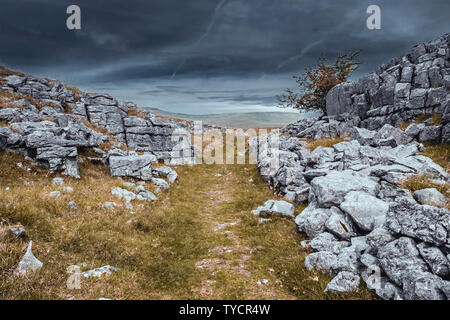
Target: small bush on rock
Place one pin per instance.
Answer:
(315, 83)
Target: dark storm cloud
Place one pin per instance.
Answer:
(152, 46)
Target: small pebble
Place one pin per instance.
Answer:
(73, 204)
(54, 194)
(58, 181)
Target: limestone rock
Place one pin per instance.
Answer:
(99, 272)
(327, 242)
(366, 211)
(430, 196)
(312, 220)
(340, 224)
(343, 282)
(139, 167)
(434, 257)
(399, 258)
(124, 194)
(17, 232)
(277, 207)
(58, 181)
(427, 223)
(29, 262)
(331, 189)
(323, 260)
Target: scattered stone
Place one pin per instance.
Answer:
(129, 185)
(58, 181)
(262, 282)
(400, 248)
(400, 259)
(99, 272)
(146, 196)
(72, 204)
(67, 189)
(423, 222)
(124, 194)
(166, 172)
(379, 237)
(277, 207)
(54, 194)
(18, 232)
(161, 184)
(29, 262)
(139, 167)
(110, 205)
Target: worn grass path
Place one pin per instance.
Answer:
(198, 241)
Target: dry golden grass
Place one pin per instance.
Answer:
(6, 98)
(77, 93)
(328, 143)
(4, 72)
(158, 248)
(439, 152)
(422, 182)
(436, 118)
(163, 116)
(403, 125)
(133, 111)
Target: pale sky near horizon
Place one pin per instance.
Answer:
(205, 56)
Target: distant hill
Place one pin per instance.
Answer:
(238, 120)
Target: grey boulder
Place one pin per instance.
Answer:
(427, 223)
(434, 257)
(277, 207)
(312, 220)
(430, 196)
(139, 167)
(344, 282)
(330, 190)
(366, 211)
(323, 260)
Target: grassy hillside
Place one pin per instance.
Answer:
(199, 240)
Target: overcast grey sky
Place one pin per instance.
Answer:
(205, 56)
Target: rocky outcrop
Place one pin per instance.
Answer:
(414, 84)
(123, 164)
(58, 122)
(362, 225)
